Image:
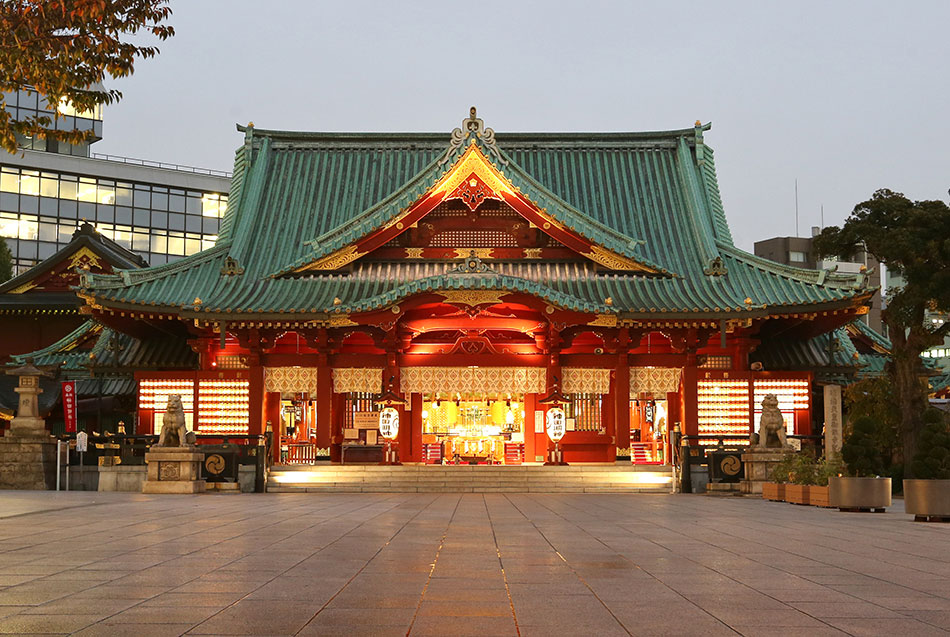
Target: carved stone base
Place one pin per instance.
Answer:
(758, 468)
(27, 462)
(173, 470)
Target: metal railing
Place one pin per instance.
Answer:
(161, 164)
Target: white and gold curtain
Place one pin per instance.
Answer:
(357, 379)
(583, 380)
(290, 379)
(654, 380)
(431, 380)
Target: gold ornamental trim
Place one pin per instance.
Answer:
(614, 261)
(473, 161)
(604, 320)
(472, 298)
(334, 260)
(341, 320)
(449, 380)
(20, 289)
(481, 253)
(357, 379)
(84, 253)
(585, 380)
(290, 379)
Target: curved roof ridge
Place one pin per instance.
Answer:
(481, 281)
(144, 275)
(806, 275)
(87, 327)
(556, 137)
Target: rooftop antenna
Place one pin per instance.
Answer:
(796, 207)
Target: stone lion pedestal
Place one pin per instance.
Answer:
(173, 470)
(27, 451)
(765, 450)
(758, 468)
(174, 465)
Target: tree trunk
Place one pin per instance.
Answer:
(911, 395)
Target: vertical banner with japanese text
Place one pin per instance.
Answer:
(69, 405)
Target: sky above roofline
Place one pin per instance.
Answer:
(843, 97)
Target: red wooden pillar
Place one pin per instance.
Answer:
(257, 417)
(328, 429)
(530, 445)
(415, 429)
(622, 391)
(690, 400)
(555, 380)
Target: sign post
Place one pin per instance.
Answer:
(556, 427)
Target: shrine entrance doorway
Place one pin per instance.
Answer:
(477, 428)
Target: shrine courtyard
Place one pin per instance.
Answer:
(506, 564)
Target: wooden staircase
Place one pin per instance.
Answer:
(469, 479)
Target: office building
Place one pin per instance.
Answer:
(160, 211)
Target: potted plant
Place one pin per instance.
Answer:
(927, 496)
(862, 489)
(775, 490)
(801, 478)
(819, 492)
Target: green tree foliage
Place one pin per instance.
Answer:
(912, 238)
(61, 48)
(932, 462)
(860, 451)
(875, 397)
(6, 261)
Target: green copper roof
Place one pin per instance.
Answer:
(91, 345)
(650, 196)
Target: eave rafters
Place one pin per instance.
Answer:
(472, 179)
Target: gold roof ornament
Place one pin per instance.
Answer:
(336, 300)
(609, 301)
(748, 301)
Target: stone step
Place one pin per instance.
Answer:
(469, 479)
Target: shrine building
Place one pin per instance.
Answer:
(476, 278)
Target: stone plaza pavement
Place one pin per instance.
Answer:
(446, 564)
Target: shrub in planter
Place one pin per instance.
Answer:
(860, 451)
(819, 493)
(775, 490)
(801, 478)
(928, 494)
(861, 489)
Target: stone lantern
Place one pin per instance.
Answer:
(27, 451)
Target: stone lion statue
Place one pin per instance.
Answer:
(174, 432)
(771, 426)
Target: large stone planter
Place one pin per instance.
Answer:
(774, 491)
(927, 500)
(859, 494)
(796, 493)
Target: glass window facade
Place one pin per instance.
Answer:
(40, 210)
(25, 104)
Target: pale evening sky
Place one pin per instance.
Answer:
(847, 97)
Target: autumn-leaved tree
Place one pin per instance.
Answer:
(64, 49)
(6, 261)
(912, 239)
